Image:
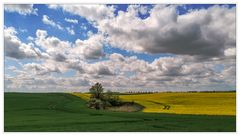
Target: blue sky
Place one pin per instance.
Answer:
(33, 22)
(161, 49)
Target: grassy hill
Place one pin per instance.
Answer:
(56, 112)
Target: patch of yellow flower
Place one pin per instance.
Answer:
(84, 96)
(183, 103)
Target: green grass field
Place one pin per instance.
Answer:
(44, 112)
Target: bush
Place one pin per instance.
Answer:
(100, 100)
(112, 98)
(96, 104)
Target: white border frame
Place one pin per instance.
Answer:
(114, 2)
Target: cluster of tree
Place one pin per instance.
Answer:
(142, 92)
(100, 99)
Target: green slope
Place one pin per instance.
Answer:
(64, 112)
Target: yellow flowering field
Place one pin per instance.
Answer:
(84, 96)
(183, 103)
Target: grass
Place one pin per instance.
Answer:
(204, 103)
(56, 112)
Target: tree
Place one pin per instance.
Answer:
(96, 97)
(101, 100)
(96, 91)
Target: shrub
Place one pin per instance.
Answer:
(96, 104)
(112, 98)
(100, 100)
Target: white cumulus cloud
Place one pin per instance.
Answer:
(23, 9)
(46, 20)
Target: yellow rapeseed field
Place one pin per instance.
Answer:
(183, 103)
(84, 96)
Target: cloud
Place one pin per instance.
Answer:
(164, 31)
(202, 49)
(40, 83)
(47, 67)
(116, 57)
(23, 9)
(166, 73)
(57, 55)
(53, 47)
(230, 52)
(46, 20)
(70, 31)
(74, 21)
(38, 69)
(98, 69)
(12, 68)
(89, 33)
(15, 48)
(90, 49)
(79, 82)
(92, 12)
(229, 72)
(62, 50)
(143, 10)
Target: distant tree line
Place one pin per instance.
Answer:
(151, 92)
(142, 92)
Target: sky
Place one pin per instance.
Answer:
(65, 48)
